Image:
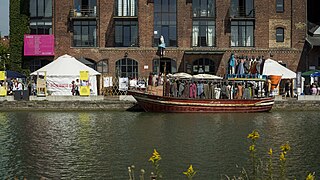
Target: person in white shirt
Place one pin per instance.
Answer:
(20, 87)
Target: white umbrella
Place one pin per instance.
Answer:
(181, 75)
(206, 76)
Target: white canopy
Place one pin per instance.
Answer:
(181, 75)
(206, 76)
(66, 66)
(62, 71)
(272, 67)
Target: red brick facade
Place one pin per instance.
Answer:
(293, 20)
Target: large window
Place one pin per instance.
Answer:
(127, 67)
(280, 35)
(40, 8)
(203, 24)
(242, 8)
(40, 16)
(102, 66)
(126, 8)
(126, 33)
(203, 8)
(165, 21)
(84, 34)
(242, 33)
(279, 6)
(36, 64)
(203, 65)
(40, 26)
(203, 33)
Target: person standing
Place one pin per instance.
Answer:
(77, 87)
(73, 88)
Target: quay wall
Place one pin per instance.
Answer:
(121, 103)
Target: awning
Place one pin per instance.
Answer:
(14, 74)
(203, 52)
(308, 73)
(85, 61)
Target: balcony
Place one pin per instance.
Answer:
(242, 13)
(83, 13)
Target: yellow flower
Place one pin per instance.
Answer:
(282, 156)
(311, 176)
(270, 152)
(190, 172)
(155, 156)
(254, 135)
(252, 148)
(285, 148)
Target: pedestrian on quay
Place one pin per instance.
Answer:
(73, 88)
(77, 87)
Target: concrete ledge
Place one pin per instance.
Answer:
(309, 98)
(67, 98)
(67, 105)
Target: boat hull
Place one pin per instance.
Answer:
(154, 103)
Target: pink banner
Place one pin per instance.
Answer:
(38, 45)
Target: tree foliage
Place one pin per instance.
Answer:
(19, 25)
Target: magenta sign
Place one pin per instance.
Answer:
(38, 45)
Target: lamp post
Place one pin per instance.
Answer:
(161, 49)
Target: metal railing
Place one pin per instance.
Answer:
(83, 13)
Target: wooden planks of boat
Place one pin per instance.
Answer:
(155, 103)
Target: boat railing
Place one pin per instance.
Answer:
(252, 77)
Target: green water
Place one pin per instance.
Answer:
(101, 145)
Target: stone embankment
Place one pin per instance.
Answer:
(121, 103)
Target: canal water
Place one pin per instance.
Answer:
(101, 145)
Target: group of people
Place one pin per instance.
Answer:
(312, 89)
(75, 86)
(12, 85)
(214, 89)
(244, 65)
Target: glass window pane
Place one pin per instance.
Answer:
(211, 8)
(279, 6)
(33, 8)
(126, 36)
(165, 6)
(172, 5)
(249, 8)
(48, 8)
(40, 8)
(249, 37)
(234, 36)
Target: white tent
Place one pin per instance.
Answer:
(272, 67)
(62, 71)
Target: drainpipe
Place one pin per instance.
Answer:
(291, 11)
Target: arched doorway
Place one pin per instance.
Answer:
(127, 67)
(159, 64)
(203, 66)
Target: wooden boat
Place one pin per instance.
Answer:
(155, 103)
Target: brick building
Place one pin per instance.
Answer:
(121, 37)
